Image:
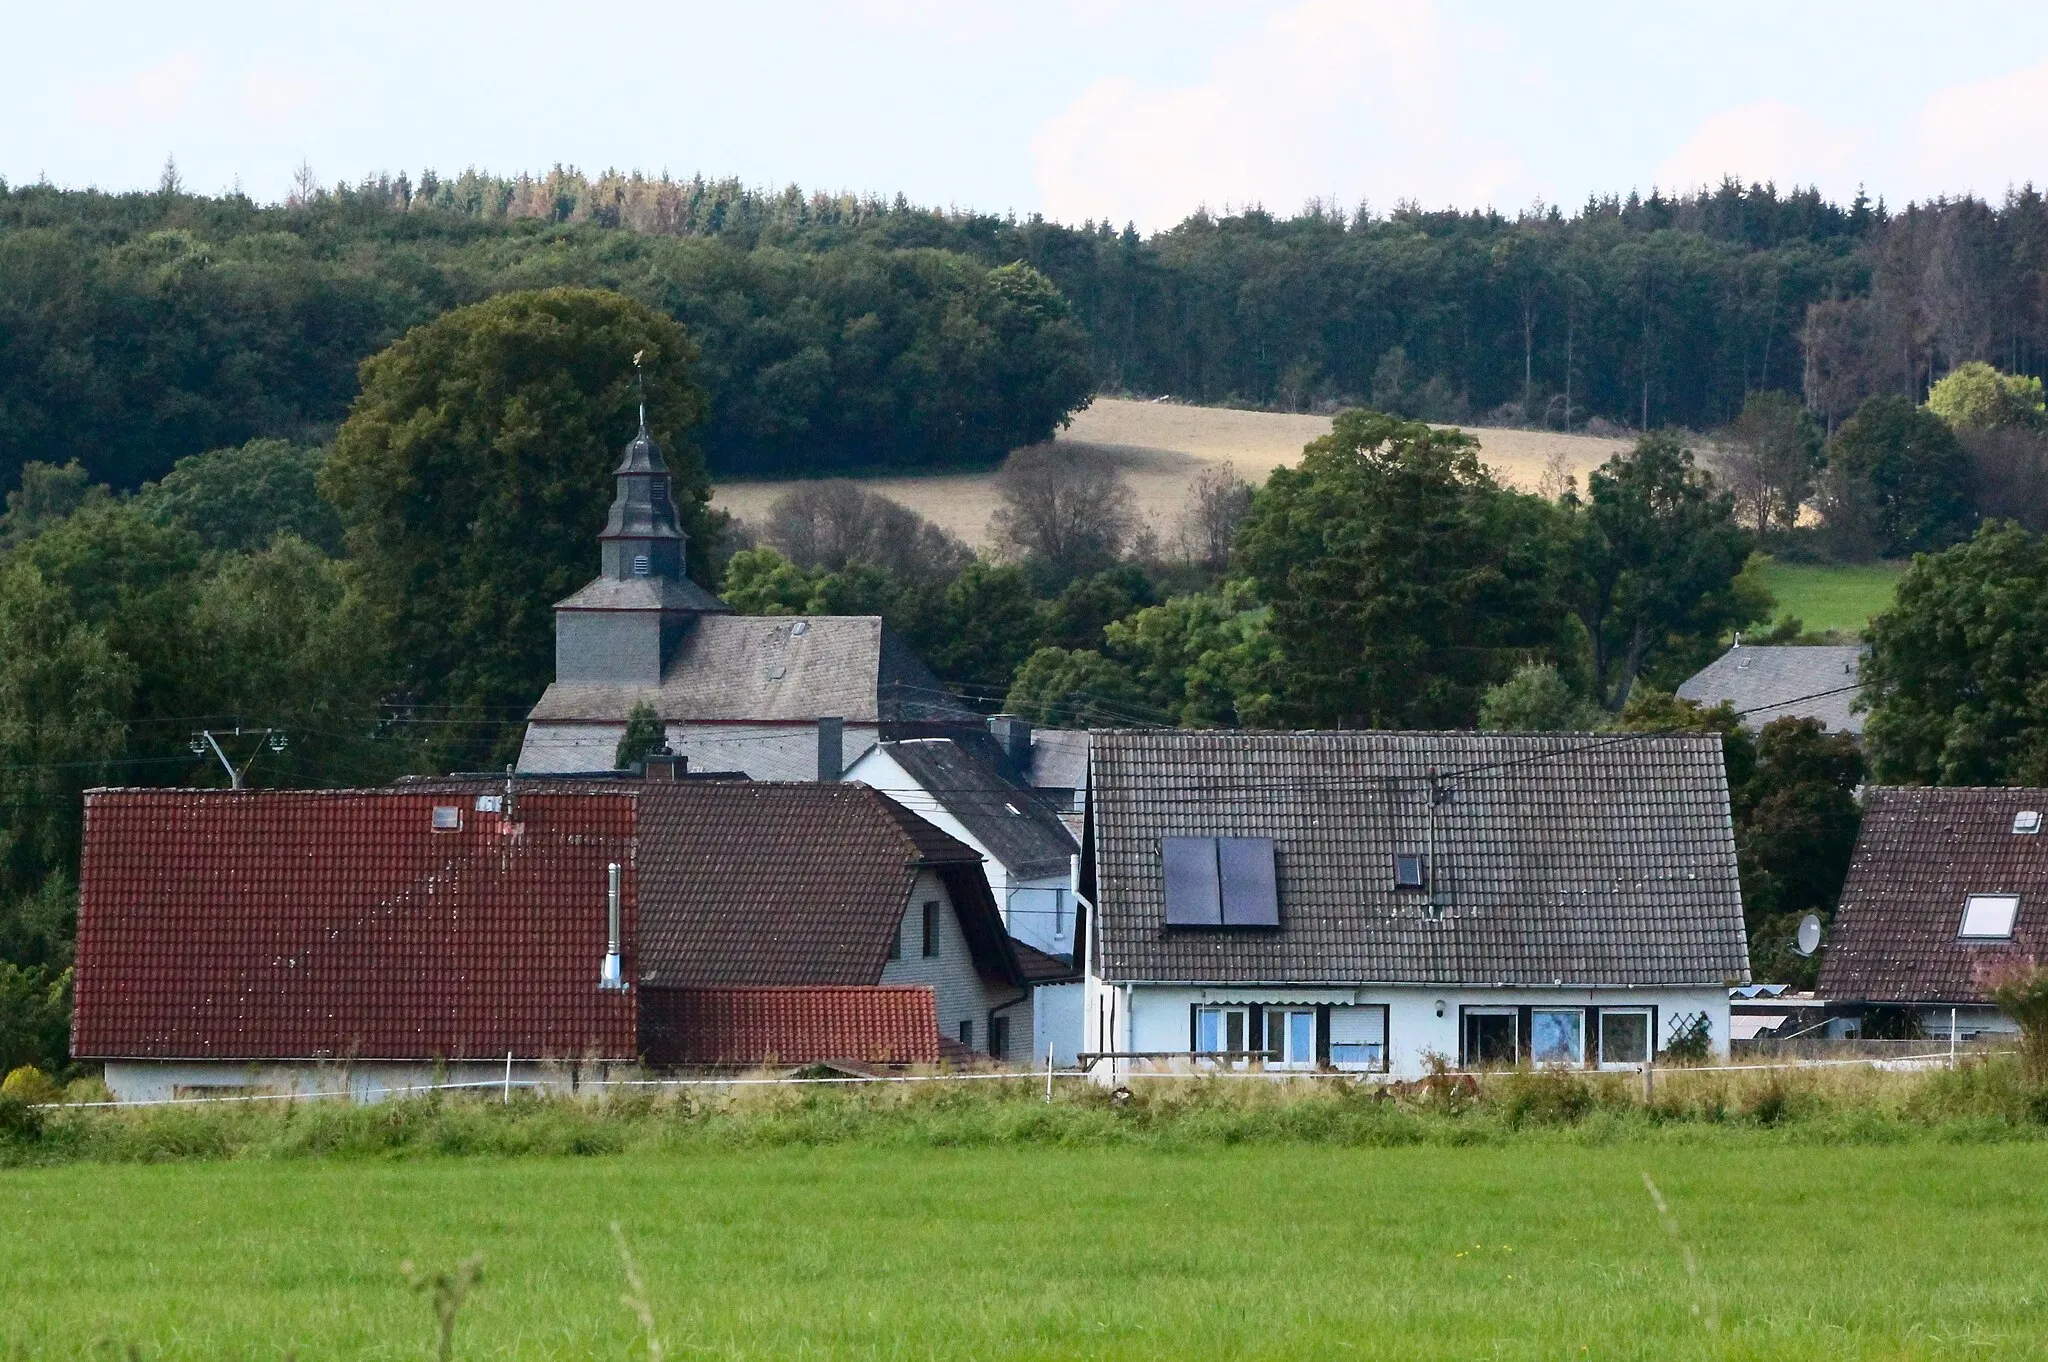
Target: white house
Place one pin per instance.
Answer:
(1377, 902)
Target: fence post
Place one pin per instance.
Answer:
(508, 1076)
(1649, 1080)
(1952, 1038)
(1048, 1071)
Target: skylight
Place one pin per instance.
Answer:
(1407, 871)
(1989, 917)
(2027, 822)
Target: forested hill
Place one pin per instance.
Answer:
(842, 332)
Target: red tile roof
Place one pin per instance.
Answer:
(341, 924)
(1920, 854)
(800, 1024)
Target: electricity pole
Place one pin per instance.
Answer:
(273, 738)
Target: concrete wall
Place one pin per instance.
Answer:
(1146, 1017)
(149, 1080)
(950, 974)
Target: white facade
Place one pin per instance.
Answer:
(932, 950)
(1397, 1030)
(165, 1080)
(1037, 911)
(1056, 1023)
(762, 751)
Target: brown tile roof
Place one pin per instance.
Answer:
(338, 924)
(1919, 856)
(1570, 858)
(1040, 967)
(791, 1025)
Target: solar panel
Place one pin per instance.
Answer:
(1251, 893)
(1194, 893)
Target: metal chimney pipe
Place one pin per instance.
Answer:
(613, 973)
(831, 749)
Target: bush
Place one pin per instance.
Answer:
(31, 1085)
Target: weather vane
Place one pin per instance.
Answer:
(640, 385)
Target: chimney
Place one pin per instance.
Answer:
(665, 766)
(831, 749)
(612, 974)
(1013, 735)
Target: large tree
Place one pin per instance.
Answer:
(1403, 579)
(1955, 678)
(473, 475)
(1658, 558)
(1919, 479)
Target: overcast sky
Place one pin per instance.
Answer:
(1133, 110)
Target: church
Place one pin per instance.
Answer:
(774, 697)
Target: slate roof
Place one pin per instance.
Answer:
(884, 1024)
(1059, 759)
(1016, 826)
(1558, 858)
(774, 668)
(1766, 683)
(758, 883)
(1919, 855)
(644, 593)
(340, 924)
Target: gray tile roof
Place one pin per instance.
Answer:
(1919, 856)
(1766, 683)
(644, 593)
(1573, 858)
(775, 668)
(1016, 826)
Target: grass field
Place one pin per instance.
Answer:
(1922, 1249)
(1162, 448)
(1841, 597)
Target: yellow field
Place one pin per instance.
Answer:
(1163, 447)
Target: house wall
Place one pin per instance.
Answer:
(1056, 1022)
(1150, 1017)
(960, 991)
(154, 1080)
(761, 751)
(1038, 912)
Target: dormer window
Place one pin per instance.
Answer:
(1989, 917)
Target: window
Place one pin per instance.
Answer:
(2027, 822)
(1989, 917)
(447, 818)
(967, 1032)
(999, 1037)
(1557, 1035)
(896, 941)
(1291, 1037)
(1491, 1037)
(641, 566)
(1624, 1036)
(1358, 1038)
(1223, 1031)
(657, 488)
(1220, 882)
(1407, 872)
(931, 928)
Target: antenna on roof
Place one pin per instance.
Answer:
(1809, 934)
(508, 808)
(640, 387)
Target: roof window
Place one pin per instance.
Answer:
(1989, 917)
(447, 818)
(1220, 882)
(2027, 822)
(1408, 872)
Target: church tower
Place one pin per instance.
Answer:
(622, 628)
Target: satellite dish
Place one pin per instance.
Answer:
(1809, 934)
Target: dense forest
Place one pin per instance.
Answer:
(843, 333)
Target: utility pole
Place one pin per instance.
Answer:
(273, 738)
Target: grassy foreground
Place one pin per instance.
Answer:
(1811, 1216)
(1922, 1249)
(1839, 597)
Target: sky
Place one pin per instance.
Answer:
(1078, 109)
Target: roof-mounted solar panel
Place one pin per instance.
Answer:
(1251, 892)
(1194, 889)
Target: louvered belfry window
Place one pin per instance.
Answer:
(1220, 882)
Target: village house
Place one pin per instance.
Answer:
(528, 932)
(1379, 902)
(1946, 887)
(1772, 682)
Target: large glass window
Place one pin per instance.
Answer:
(1490, 1037)
(1291, 1037)
(1624, 1036)
(1557, 1035)
(1221, 1030)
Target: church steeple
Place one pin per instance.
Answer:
(641, 538)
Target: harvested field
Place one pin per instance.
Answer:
(1163, 447)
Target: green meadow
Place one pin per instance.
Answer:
(1825, 1215)
(1832, 596)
